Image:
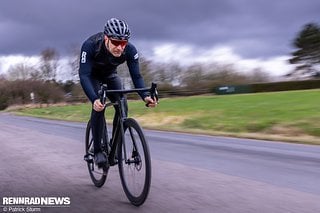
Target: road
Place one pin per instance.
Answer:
(191, 173)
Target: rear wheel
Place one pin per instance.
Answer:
(98, 176)
(134, 163)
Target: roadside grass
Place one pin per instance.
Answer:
(288, 116)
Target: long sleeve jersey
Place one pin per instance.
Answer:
(96, 62)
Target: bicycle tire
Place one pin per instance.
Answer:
(98, 176)
(139, 161)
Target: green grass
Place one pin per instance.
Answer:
(291, 115)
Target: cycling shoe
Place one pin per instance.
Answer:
(100, 159)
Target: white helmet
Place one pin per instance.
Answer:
(117, 29)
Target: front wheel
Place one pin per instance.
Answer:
(134, 163)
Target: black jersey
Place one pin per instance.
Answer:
(96, 62)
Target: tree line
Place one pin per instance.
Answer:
(25, 83)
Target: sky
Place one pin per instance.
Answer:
(249, 33)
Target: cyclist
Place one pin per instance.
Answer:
(101, 54)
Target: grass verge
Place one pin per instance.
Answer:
(288, 116)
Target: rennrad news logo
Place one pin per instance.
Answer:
(33, 204)
(39, 201)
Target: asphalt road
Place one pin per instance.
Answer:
(191, 173)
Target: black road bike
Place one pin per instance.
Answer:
(127, 148)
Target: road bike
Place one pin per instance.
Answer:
(127, 148)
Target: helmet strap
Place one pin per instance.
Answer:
(108, 46)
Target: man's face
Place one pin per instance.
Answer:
(116, 47)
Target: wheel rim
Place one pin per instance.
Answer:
(133, 163)
(98, 176)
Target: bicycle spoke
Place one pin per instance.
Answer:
(98, 176)
(135, 168)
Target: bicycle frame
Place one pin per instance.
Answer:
(120, 103)
(119, 131)
(128, 148)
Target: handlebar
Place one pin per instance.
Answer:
(103, 92)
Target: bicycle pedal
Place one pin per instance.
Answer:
(87, 158)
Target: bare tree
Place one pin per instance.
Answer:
(20, 71)
(259, 76)
(73, 62)
(49, 64)
(146, 70)
(193, 76)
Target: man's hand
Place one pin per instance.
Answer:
(150, 101)
(97, 105)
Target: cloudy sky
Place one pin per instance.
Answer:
(256, 32)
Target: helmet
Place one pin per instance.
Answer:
(117, 29)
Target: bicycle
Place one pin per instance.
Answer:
(127, 148)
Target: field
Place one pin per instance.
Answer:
(288, 116)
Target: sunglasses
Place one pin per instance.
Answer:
(116, 43)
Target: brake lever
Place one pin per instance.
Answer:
(103, 94)
(153, 93)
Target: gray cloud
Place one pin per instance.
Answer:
(252, 28)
